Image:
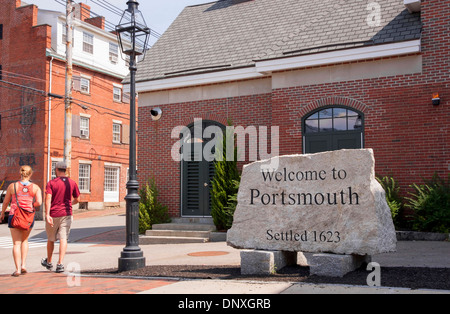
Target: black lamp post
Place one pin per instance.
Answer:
(133, 35)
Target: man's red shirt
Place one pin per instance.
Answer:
(62, 190)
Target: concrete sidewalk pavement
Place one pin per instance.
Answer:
(97, 238)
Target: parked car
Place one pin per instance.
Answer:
(2, 197)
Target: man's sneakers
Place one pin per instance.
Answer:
(49, 266)
(46, 264)
(59, 268)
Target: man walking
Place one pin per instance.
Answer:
(61, 194)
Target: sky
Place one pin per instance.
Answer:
(157, 14)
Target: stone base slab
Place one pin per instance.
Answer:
(254, 262)
(334, 265)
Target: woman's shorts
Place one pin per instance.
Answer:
(10, 218)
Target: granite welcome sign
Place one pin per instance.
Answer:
(321, 203)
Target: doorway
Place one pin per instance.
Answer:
(197, 172)
(111, 186)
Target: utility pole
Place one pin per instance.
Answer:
(68, 94)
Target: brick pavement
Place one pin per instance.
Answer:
(84, 214)
(52, 283)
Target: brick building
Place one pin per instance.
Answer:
(329, 74)
(32, 61)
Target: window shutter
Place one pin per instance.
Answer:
(125, 134)
(126, 98)
(191, 187)
(77, 83)
(76, 126)
(211, 174)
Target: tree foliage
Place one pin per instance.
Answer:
(151, 211)
(224, 185)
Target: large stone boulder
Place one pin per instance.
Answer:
(320, 203)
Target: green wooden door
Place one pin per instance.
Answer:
(197, 174)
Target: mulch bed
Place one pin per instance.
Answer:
(399, 277)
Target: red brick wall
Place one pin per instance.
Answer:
(410, 136)
(99, 148)
(22, 51)
(155, 142)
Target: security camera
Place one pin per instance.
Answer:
(156, 114)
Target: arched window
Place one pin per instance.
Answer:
(333, 128)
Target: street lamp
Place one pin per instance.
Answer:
(133, 35)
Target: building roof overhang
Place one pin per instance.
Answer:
(264, 68)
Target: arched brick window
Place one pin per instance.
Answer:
(333, 128)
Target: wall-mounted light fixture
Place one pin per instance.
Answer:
(436, 99)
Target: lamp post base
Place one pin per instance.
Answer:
(131, 261)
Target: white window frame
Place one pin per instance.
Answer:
(64, 33)
(53, 170)
(85, 85)
(113, 53)
(88, 43)
(84, 177)
(54, 162)
(117, 93)
(117, 132)
(84, 127)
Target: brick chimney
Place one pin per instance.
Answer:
(83, 12)
(98, 21)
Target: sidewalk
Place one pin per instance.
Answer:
(97, 239)
(52, 283)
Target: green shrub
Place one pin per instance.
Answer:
(224, 186)
(393, 198)
(430, 204)
(150, 210)
(232, 204)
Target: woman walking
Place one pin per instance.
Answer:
(23, 196)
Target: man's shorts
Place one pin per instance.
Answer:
(60, 229)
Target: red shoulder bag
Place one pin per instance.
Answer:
(23, 219)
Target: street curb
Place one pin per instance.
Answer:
(421, 236)
(292, 283)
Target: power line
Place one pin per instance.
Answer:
(111, 8)
(118, 11)
(95, 105)
(20, 76)
(110, 26)
(37, 91)
(108, 7)
(34, 109)
(23, 107)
